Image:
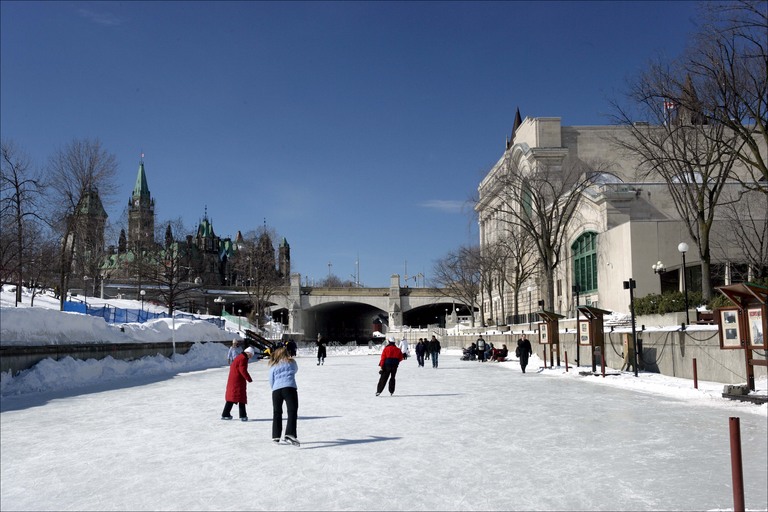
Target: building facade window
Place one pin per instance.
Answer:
(584, 251)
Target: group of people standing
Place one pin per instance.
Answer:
(282, 381)
(428, 349)
(484, 351)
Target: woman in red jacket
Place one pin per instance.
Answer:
(235, 394)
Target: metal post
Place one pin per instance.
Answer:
(695, 375)
(576, 288)
(737, 474)
(530, 311)
(173, 329)
(566, 361)
(85, 292)
(630, 285)
(683, 248)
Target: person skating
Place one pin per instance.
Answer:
(234, 351)
(282, 380)
(421, 348)
(390, 360)
(236, 385)
(523, 351)
(321, 352)
(404, 348)
(434, 350)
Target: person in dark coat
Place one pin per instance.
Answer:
(320, 350)
(291, 348)
(523, 351)
(421, 348)
(481, 349)
(236, 385)
(434, 350)
(390, 360)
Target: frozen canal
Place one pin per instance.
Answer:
(467, 436)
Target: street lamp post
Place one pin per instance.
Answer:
(577, 289)
(85, 291)
(530, 309)
(683, 248)
(630, 285)
(142, 293)
(239, 312)
(173, 328)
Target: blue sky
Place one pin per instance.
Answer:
(358, 130)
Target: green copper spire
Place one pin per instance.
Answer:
(141, 189)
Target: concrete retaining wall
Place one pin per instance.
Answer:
(666, 352)
(17, 358)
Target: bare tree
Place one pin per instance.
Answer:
(487, 265)
(21, 195)
(729, 61)
(76, 172)
(694, 157)
(40, 269)
(746, 228)
(334, 281)
(255, 265)
(519, 263)
(167, 272)
(458, 275)
(539, 197)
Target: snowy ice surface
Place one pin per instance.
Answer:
(146, 434)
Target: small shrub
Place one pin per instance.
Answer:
(672, 302)
(719, 301)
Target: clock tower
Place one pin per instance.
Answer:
(141, 213)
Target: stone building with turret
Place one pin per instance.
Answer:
(204, 258)
(626, 224)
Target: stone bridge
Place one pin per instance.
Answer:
(353, 314)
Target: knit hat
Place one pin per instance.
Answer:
(391, 339)
(250, 350)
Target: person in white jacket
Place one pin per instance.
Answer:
(234, 351)
(404, 348)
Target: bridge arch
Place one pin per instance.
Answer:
(342, 321)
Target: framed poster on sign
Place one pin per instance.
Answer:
(543, 333)
(584, 333)
(756, 321)
(730, 333)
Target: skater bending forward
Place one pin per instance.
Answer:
(236, 383)
(390, 359)
(282, 379)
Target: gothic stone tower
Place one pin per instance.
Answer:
(284, 260)
(141, 213)
(90, 221)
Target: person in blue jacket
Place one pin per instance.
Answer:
(282, 380)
